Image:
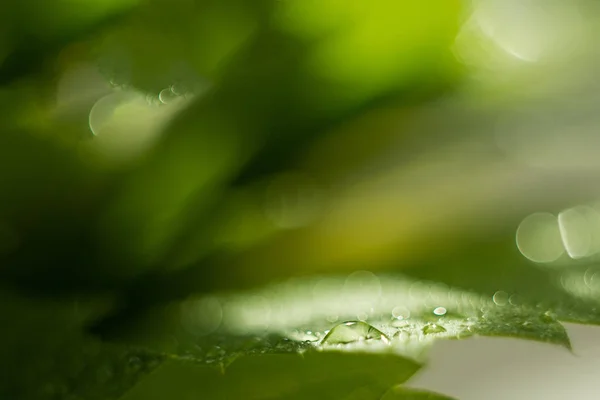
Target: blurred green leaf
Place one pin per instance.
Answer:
(400, 393)
(247, 126)
(34, 32)
(47, 355)
(312, 375)
(566, 292)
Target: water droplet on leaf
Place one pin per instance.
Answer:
(353, 331)
(166, 96)
(500, 298)
(440, 311)
(433, 328)
(547, 317)
(402, 335)
(527, 325)
(515, 300)
(401, 312)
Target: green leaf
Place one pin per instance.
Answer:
(246, 126)
(402, 393)
(34, 32)
(312, 375)
(402, 316)
(50, 356)
(295, 333)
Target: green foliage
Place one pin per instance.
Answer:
(261, 332)
(48, 355)
(151, 278)
(400, 393)
(310, 375)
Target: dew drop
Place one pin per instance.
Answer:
(515, 300)
(353, 331)
(500, 298)
(547, 317)
(153, 100)
(595, 281)
(440, 311)
(401, 313)
(433, 328)
(104, 109)
(527, 325)
(179, 89)
(166, 96)
(587, 277)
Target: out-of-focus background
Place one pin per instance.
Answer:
(151, 149)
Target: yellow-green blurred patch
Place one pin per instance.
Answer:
(364, 48)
